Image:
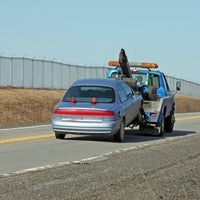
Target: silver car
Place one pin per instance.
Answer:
(96, 106)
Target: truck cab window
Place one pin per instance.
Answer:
(153, 81)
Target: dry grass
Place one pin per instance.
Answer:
(29, 106)
(186, 104)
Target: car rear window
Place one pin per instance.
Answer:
(85, 93)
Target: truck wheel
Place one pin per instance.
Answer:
(60, 136)
(161, 128)
(119, 136)
(169, 123)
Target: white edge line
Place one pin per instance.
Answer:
(25, 127)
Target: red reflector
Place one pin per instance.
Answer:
(153, 114)
(73, 99)
(93, 100)
(83, 112)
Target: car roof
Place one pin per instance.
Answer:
(98, 81)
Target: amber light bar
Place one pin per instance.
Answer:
(135, 64)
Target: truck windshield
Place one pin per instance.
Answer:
(140, 77)
(152, 80)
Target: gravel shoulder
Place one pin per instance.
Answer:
(166, 170)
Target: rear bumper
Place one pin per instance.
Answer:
(110, 127)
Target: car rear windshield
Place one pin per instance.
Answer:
(86, 93)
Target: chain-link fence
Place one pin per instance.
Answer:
(35, 73)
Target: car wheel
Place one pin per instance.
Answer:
(60, 136)
(119, 136)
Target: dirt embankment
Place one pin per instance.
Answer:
(28, 106)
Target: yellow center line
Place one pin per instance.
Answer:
(26, 138)
(43, 136)
(187, 118)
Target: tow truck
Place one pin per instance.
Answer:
(158, 99)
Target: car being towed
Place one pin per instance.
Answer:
(96, 106)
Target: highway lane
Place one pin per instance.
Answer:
(33, 147)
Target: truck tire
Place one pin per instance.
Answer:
(60, 136)
(169, 123)
(161, 128)
(119, 136)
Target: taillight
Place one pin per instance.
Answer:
(84, 112)
(153, 114)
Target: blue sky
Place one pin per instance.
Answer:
(91, 32)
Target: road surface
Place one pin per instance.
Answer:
(32, 148)
(34, 165)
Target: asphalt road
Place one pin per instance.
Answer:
(32, 148)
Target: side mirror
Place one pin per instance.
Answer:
(178, 85)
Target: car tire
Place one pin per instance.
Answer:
(60, 136)
(119, 136)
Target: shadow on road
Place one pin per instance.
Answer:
(135, 136)
(131, 135)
